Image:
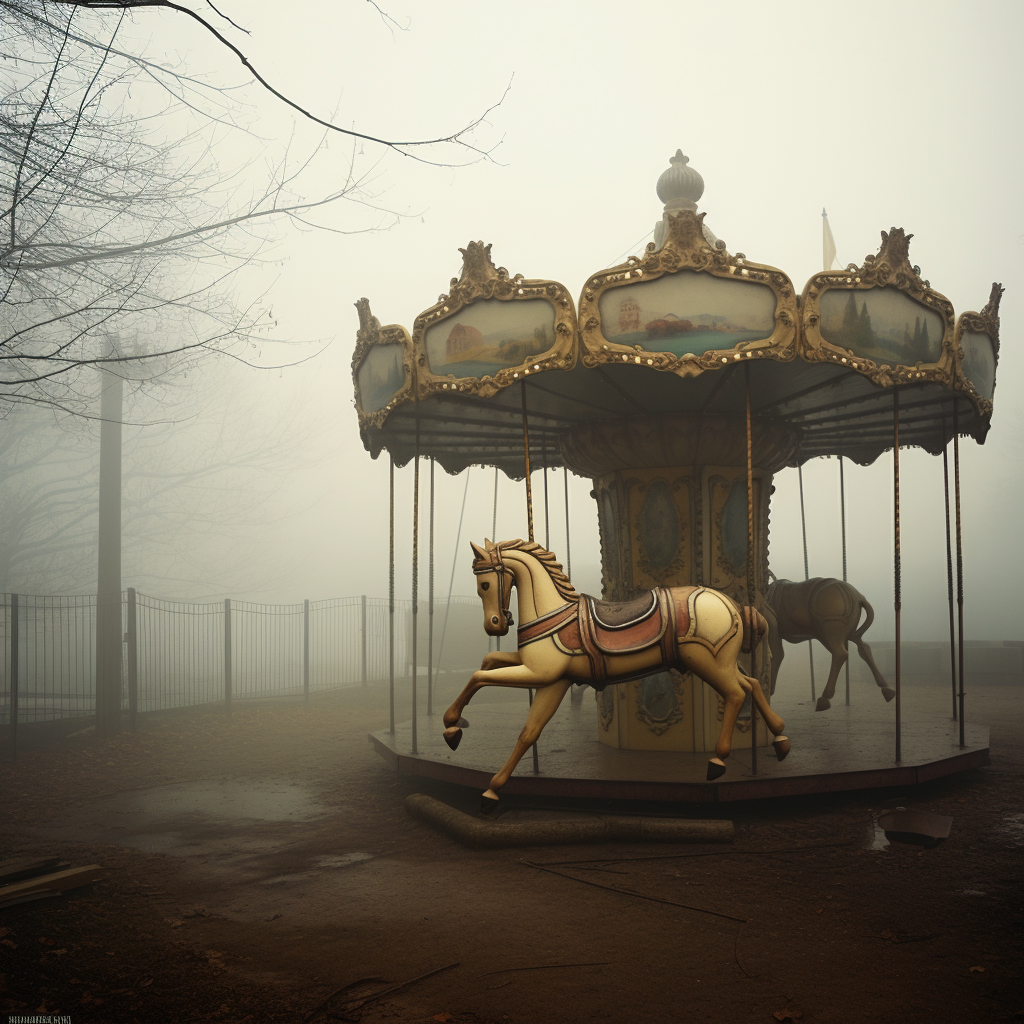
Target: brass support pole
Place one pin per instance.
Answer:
(547, 520)
(415, 573)
(897, 598)
(529, 517)
(807, 571)
(526, 461)
(842, 520)
(949, 577)
(568, 557)
(959, 564)
(430, 602)
(391, 592)
(494, 537)
(751, 579)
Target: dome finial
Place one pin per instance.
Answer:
(680, 186)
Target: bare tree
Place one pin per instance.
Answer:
(118, 223)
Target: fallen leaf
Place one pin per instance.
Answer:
(977, 970)
(143, 984)
(788, 1014)
(442, 1017)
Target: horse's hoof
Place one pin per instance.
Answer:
(453, 737)
(888, 693)
(823, 704)
(715, 770)
(488, 801)
(781, 745)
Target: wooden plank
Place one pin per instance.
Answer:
(56, 881)
(16, 868)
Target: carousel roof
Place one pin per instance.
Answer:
(673, 333)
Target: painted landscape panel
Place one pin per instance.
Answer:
(687, 312)
(489, 336)
(882, 324)
(380, 376)
(979, 362)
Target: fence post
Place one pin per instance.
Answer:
(132, 639)
(227, 654)
(14, 678)
(305, 649)
(362, 636)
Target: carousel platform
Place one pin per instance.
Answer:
(842, 749)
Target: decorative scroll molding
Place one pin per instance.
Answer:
(660, 724)
(369, 335)
(686, 249)
(481, 280)
(889, 268)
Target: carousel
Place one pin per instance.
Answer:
(680, 383)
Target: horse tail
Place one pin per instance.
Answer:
(755, 627)
(861, 630)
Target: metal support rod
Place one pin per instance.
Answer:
(751, 593)
(494, 537)
(959, 565)
(391, 593)
(132, 639)
(897, 592)
(807, 571)
(14, 678)
(305, 648)
(949, 577)
(430, 601)
(547, 520)
(415, 573)
(568, 556)
(529, 517)
(842, 523)
(526, 463)
(227, 655)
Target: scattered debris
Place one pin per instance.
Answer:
(23, 880)
(914, 826)
(788, 1014)
(497, 835)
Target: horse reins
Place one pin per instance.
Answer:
(497, 565)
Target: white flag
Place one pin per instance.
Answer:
(828, 244)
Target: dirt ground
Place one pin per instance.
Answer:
(262, 868)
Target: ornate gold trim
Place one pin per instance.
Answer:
(480, 279)
(686, 249)
(891, 268)
(985, 322)
(369, 335)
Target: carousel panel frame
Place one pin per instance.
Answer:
(985, 323)
(687, 251)
(481, 281)
(370, 337)
(891, 270)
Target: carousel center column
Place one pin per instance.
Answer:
(671, 494)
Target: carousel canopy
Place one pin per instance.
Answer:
(677, 332)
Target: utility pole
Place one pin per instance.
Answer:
(108, 577)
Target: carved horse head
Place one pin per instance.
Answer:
(494, 582)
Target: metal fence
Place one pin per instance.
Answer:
(177, 654)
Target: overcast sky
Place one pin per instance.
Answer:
(887, 114)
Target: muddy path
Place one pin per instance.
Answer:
(262, 868)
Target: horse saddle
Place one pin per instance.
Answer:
(622, 627)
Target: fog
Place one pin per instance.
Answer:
(887, 115)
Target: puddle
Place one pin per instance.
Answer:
(254, 801)
(878, 840)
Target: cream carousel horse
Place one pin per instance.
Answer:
(828, 611)
(567, 637)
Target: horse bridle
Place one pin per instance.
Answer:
(497, 565)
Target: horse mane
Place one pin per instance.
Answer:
(546, 559)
